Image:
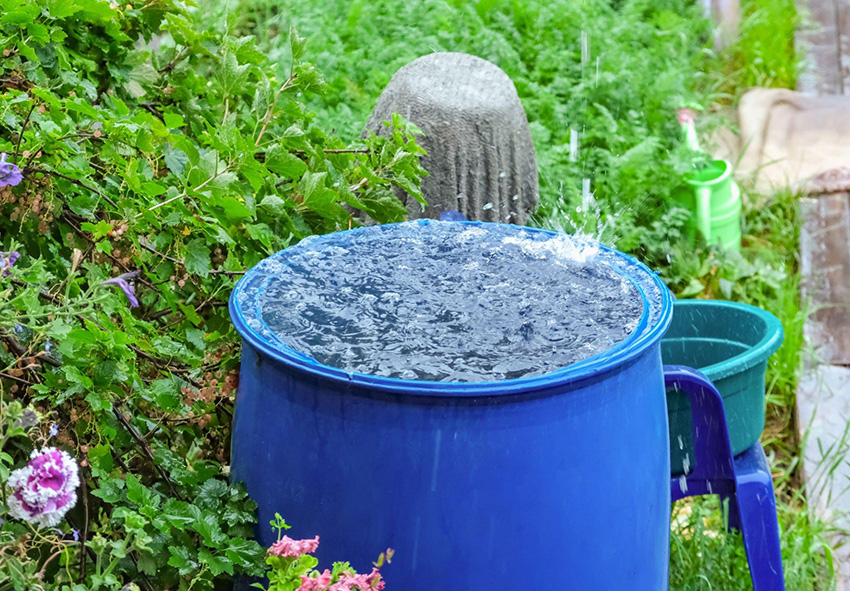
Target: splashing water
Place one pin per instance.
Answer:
(585, 48)
(573, 145)
(449, 302)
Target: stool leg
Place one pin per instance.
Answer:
(758, 522)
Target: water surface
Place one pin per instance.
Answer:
(449, 302)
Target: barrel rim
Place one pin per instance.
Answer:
(619, 355)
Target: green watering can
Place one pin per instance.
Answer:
(714, 201)
(712, 197)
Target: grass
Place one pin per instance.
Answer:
(704, 558)
(765, 53)
(613, 71)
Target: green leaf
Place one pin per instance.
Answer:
(140, 494)
(99, 10)
(273, 205)
(83, 107)
(216, 564)
(231, 75)
(284, 163)
(109, 490)
(100, 460)
(98, 230)
(180, 514)
(166, 394)
(241, 551)
(176, 161)
(182, 560)
(310, 182)
(98, 401)
(197, 259)
(693, 288)
(18, 14)
(211, 493)
(191, 316)
(234, 208)
(173, 120)
(209, 529)
(62, 8)
(297, 44)
(262, 233)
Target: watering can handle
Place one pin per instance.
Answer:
(712, 448)
(704, 212)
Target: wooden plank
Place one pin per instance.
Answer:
(825, 267)
(842, 19)
(824, 40)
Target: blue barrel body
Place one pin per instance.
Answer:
(557, 481)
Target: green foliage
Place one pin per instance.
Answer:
(703, 557)
(187, 164)
(765, 53)
(611, 74)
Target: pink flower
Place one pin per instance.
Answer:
(319, 583)
(45, 489)
(293, 548)
(685, 115)
(349, 581)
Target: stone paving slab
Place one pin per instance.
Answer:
(825, 266)
(823, 394)
(823, 405)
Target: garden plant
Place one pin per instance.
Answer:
(137, 186)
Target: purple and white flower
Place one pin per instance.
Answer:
(123, 281)
(7, 259)
(10, 174)
(45, 489)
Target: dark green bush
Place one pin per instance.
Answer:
(185, 164)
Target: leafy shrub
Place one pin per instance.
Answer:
(151, 180)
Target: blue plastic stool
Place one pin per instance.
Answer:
(744, 481)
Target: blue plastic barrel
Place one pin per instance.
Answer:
(559, 481)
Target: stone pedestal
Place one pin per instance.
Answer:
(480, 156)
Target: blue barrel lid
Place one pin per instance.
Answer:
(247, 317)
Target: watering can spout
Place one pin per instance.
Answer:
(687, 118)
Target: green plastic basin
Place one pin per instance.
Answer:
(730, 343)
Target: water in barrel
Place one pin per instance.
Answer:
(447, 301)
